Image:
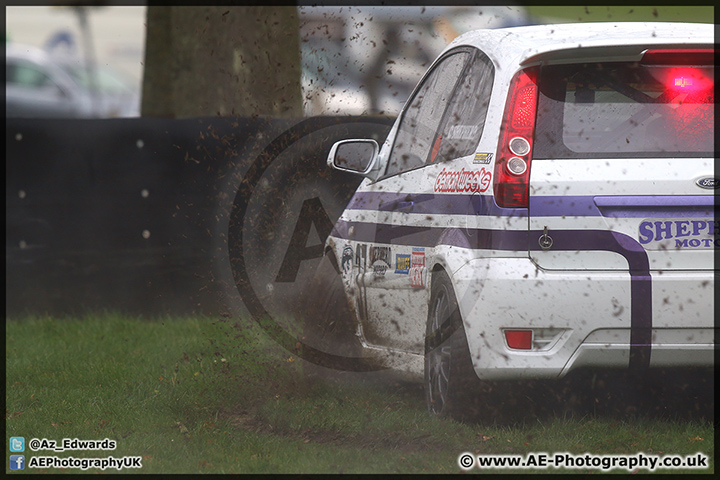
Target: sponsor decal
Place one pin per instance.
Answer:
(482, 158)
(402, 264)
(463, 132)
(679, 233)
(380, 258)
(463, 181)
(347, 260)
(710, 183)
(361, 255)
(417, 268)
(436, 148)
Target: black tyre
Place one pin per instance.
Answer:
(451, 386)
(328, 321)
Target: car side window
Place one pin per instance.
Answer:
(465, 117)
(26, 75)
(421, 119)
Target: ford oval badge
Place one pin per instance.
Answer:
(708, 182)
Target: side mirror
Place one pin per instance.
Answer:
(355, 156)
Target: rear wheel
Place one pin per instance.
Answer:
(451, 385)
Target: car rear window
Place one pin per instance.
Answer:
(620, 109)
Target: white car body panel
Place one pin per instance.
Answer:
(616, 304)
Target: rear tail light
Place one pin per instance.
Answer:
(516, 166)
(519, 146)
(512, 167)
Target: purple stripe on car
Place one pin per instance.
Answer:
(656, 201)
(642, 206)
(518, 240)
(432, 204)
(640, 279)
(656, 206)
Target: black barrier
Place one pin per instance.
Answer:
(131, 215)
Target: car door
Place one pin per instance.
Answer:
(442, 122)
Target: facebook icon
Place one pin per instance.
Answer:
(17, 462)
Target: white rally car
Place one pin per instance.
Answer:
(543, 202)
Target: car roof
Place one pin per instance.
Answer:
(16, 50)
(523, 45)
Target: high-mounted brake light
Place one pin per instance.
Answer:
(687, 80)
(688, 68)
(512, 167)
(679, 56)
(683, 82)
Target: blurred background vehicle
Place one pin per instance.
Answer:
(346, 51)
(74, 61)
(355, 60)
(44, 85)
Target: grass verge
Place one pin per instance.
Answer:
(197, 395)
(620, 13)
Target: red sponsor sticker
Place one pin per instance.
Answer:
(436, 148)
(463, 181)
(417, 268)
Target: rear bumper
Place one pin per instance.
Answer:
(669, 348)
(582, 319)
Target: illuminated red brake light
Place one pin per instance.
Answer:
(688, 80)
(512, 167)
(524, 107)
(684, 77)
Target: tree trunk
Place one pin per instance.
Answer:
(207, 61)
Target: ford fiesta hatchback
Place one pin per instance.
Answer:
(543, 202)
